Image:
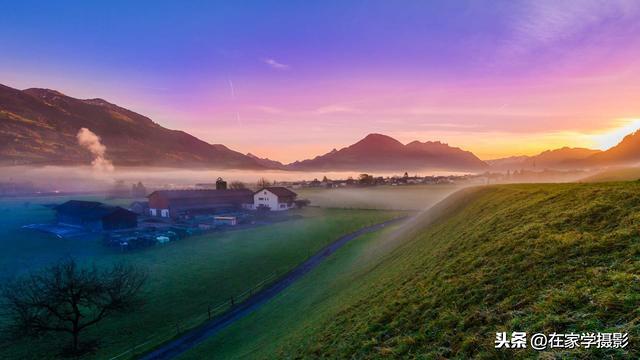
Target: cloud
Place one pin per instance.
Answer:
(336, 109)
(269, 109)
(275, 64)
(90, 141)
(544, 23)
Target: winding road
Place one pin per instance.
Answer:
(192, 338)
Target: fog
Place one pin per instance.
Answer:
(92, 178)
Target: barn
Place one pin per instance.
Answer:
(176, 203)
(95, 216)
(274, 198)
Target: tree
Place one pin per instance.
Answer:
(365, 179)
(262, 183)
(68, 298)
(237, 185)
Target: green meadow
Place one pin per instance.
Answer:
(186, 277)
(536, 258)
(407, 197)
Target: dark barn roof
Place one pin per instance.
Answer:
(186, 200)
(89, 210)
(279, 191)
(200, 194)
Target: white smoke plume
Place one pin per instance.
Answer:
(90, 141)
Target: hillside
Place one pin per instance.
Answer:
(535, 258)
(563, 158)
(615, 174)
(378, 152)
(39, 126)
(626, 152)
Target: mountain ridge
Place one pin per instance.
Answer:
(378, 152)
(39, 126)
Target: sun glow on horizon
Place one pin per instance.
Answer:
(614, 136)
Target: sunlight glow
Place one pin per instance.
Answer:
(614, 136)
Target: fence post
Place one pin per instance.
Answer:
(232, 301)
(209, 310)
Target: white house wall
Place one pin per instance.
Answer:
(268, 199)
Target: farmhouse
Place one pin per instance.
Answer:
(275, 198)
(95, 216)
(176, 203)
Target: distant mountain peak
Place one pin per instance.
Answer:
(379, 152)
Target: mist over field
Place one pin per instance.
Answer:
(87, 178)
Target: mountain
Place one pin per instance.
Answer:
(563, 158)
(627, 152)
(268, 163)
(39, 126)
(378, 152)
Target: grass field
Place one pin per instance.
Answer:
(620, 174)
(410, 197)
(535, 258)
(188, 275)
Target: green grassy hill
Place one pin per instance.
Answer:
(535, 258)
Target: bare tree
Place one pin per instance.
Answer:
(262, 183)
(237, 185)
(68, 298)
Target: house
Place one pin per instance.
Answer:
(95, 216)
(177, 203)
(274, 198)
(140, 207)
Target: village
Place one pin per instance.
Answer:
(168, 215)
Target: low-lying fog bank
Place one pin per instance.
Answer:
(86, 178)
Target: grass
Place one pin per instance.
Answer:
(408, 197)
(535, 258)
(189, 275)
(618, 174)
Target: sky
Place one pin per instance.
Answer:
(291, 80)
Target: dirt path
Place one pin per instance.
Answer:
(192, 338)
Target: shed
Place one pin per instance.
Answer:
(94, 215)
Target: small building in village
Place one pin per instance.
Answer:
(177, 203)
(139, 207)
(274, 198)
(95, 216)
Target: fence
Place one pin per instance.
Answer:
(209, 313)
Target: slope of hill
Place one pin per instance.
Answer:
(614, 174)
(563, 158)
(626, 152)
(268, 163)
(378, 152)
(536, 258)
(39, 126)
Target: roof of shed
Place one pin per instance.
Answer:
(88, 209)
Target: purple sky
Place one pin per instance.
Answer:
(293, 79)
